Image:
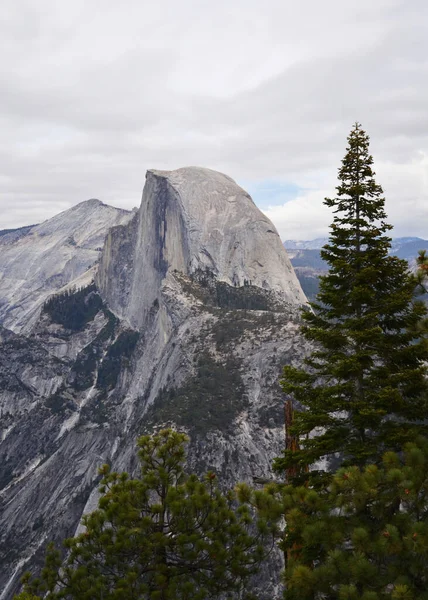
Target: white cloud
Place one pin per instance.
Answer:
(406, 192)
(303, 218)
(91, 95)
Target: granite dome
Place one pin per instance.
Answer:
(193, 219)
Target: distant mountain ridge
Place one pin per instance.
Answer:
(315, 244)
(308, 264)
(398, 243)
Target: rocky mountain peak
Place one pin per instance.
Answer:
(87, 220)
(191, 220)
(39, 260)
(194, 310)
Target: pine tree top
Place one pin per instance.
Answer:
(364, 386)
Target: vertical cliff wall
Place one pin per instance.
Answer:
(194, 310)
(190, 220)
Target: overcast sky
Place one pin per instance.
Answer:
(95, 92)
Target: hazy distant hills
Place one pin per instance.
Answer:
(308, 264)
(315, 244)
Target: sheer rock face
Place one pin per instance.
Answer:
(197, 309)
(39, 260)
(192, 219)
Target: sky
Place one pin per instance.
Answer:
(93, 93)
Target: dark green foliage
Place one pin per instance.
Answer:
(364, 536)
(117, 357)
(27, 596)
(422, 273)
(85, 366)
(233, 325)
(59, 402)
(210, 400)
(39, 521)
(74, 309)
(6, 472)
(230, 328)
(109, 328)
(85, 370)
(364, 386)
(204, 286)
(247, 297)
(95, 411)
(163, 536)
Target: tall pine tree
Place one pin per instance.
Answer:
(363, 389)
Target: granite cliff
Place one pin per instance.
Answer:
(193, 310)
(38, 260)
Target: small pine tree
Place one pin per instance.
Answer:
(364, 536)
(164, 536)
(363, 390)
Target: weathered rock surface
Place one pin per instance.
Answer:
(194, 312)
(190, 220)
(39, 260)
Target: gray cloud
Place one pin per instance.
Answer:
(92, 94)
